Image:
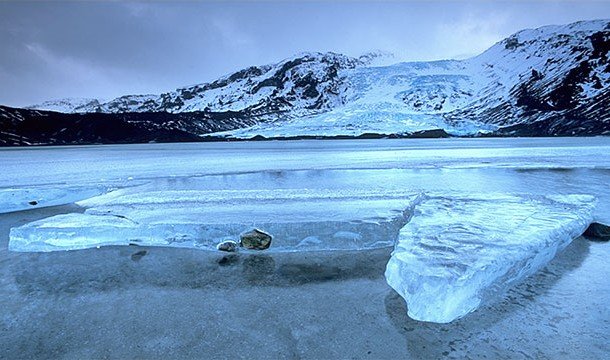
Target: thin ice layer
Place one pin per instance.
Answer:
(17, 199)
(459, 251)
(298, 220)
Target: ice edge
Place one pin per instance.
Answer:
(444, 303)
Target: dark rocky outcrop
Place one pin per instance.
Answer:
(598, 231)
(35, 127)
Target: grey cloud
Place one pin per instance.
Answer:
(106, 49)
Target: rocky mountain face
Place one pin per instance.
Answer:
(549, 81)
(37, 127)
(301, 84)
(554, 80)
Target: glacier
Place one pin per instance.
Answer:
(474, 96)
(463, 250)
(299, 220)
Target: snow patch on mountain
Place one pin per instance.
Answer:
(66, 105)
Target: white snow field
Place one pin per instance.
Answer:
(459, 250)
(502, 205)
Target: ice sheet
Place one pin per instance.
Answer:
(117, 164)
(298, 220)
(459, 251)
(17, 199)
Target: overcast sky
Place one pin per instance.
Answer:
(53, 50)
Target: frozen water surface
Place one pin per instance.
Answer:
(125, 164)
(460, 250)
(313, 195)
(29, 198)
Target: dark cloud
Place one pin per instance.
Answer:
(106, 49)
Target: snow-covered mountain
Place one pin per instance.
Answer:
(66, 105)
(549, 81)
(299, 84)
(553, 80)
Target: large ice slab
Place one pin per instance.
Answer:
(298, 219)
(459, 251)
(17, 199)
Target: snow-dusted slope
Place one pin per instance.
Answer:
(307, 81)
(553, 80)
(400, 98)
(67, 105)
(534, 75)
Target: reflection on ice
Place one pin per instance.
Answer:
(459, 251)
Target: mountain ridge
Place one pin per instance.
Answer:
(552, 80)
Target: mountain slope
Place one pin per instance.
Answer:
(36, 127)
(549, 81)
(553, 80)
(303, 83)
(559, 75)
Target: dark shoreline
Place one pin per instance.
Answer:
(25, 127)
(424, 134)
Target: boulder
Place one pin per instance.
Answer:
(229, 246)
(255, 239)
(598, 231)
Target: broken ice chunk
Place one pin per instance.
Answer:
(203, 219)
(459, 251)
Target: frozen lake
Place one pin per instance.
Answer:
(78, 165)
(545, 165)
(44, 288)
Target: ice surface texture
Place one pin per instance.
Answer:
(298, 219)
(17, 199)
(456, 252)
(461, 250)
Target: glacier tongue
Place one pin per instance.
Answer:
(459, 251)
(299, 219)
